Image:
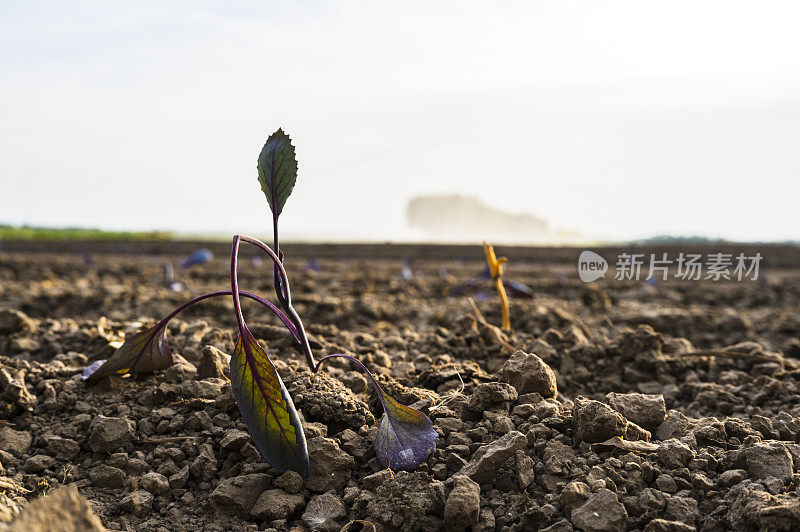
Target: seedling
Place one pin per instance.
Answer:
(496, 267)
(405, 436)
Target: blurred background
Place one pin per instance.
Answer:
(520, 122)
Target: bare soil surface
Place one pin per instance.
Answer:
(610, 406)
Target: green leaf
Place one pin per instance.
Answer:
(266, 407)
(277, 170)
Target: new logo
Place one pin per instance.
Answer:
(591, 266)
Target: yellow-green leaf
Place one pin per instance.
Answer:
(266, 407)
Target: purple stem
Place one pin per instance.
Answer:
(254, 297)
(237, 305)
(278, 284)
(297, 329)
(278, 264)
(284, 295)
(377, 386)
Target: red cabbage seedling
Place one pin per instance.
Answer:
(405, 436)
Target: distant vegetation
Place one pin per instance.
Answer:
(678, 239)
(25, 232)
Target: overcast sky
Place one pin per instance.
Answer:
(615, 119)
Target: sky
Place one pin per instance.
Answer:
(617, 120)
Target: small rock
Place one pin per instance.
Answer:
(204, 466)
(524, 469)
(330, 466)
(523, 410)
(646, 410)
(574, 494)
(355, 381)
(769, 459)
(502, 425)
(213, 363)
(119, 460)
(155, 483)
(204, 389)
(652, 500)
(64, 509)
(528, 373)
(773, 485)
(167, 468)
(237, 495)
(325, 513)
(356, 445)
(373, 482)
(454, 462)
(701, 482)
(682, 509)
(16, 398)
(674, 426)
(534, 516)
(108, 434)
(547, 408)
(596, 422)
(666, 484)
(674, 454)
(290, 482)
(180, 371)
(732, 477)
(601, 513)
(407, 501)
(492, 396)
(38, 463)
(13, 441)
(137, 466)
(490, 457)
(234, 439)
(463, 505)
(764, 426)
(179, 479)
(62, 448)
(350, 495)
(277, 504)
(662, 525)
(137, 502)
(105, 476)
(314, 430)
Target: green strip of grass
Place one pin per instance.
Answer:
(77, 233)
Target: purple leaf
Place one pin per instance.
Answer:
(405, 437)
(148, 350)
(144, 352)
(518, 289)
(91, 368)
